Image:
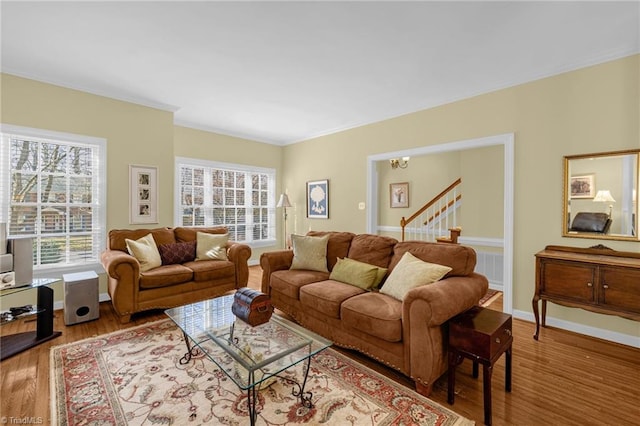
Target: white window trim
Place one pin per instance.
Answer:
(231, 167)
(8, 130)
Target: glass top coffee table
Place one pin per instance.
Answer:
(251, 356)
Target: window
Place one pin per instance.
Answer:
(242, 198)
(53, 190)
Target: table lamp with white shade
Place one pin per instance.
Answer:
(604, 196)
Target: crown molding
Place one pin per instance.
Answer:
(106, 93)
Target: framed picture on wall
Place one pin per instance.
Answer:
(583, 186)
(143, 194)
(318, 199)
(399, 195)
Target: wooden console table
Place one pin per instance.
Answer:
(597, 279)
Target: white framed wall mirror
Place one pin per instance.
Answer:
(601, 195)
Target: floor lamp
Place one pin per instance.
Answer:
(284, 203)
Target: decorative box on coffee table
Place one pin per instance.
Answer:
(481, 335)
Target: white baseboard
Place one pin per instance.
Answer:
(611, 336)
(496, 286)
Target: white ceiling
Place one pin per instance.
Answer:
(282, 72)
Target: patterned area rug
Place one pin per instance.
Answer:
(489, 298)
(133, 377)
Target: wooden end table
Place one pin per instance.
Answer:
(481, 335)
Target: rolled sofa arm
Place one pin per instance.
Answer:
(274, 261)
(112, 260)
(239, 254)
(434, 304)
(424, 310)
(123, 273)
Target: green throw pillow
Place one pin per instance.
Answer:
(309, 253)
(410, 273)
(379, 277)
(356, 273)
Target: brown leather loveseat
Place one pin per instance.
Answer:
(169, 285)
(409, 335)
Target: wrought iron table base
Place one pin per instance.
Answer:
(191, 351)
(252, 391)
(305, 397)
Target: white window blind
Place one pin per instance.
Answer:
(242, 198)
(53, 190)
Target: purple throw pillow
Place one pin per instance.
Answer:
(177, 252)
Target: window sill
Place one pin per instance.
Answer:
(59, 271)
(261, 244)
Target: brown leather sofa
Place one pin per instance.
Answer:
(408, 335)
(167, 286)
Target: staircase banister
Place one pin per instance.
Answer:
(443, 209)
(430, 203)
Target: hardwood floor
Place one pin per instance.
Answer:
(562, 379)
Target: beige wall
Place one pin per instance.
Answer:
(482, 188)
(135, 135)
(483, 192)
(590, 110)
(426, 175)
(594, 109)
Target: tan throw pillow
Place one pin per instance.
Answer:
(211, 246)
(310, 253)
(146, 251)
(410, 273)
(356, 273)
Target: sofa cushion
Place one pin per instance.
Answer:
(461, 259)
(354, 272)
(288, 282)
(373, 249)
(410, 273)
(375, 314)
(338, 245)
(327, 296)
(165, 276)
(145, 251)
(177, 253)
(211, 246)
(117, 237)
(183, 234)
(310, 253)
(208, 270)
